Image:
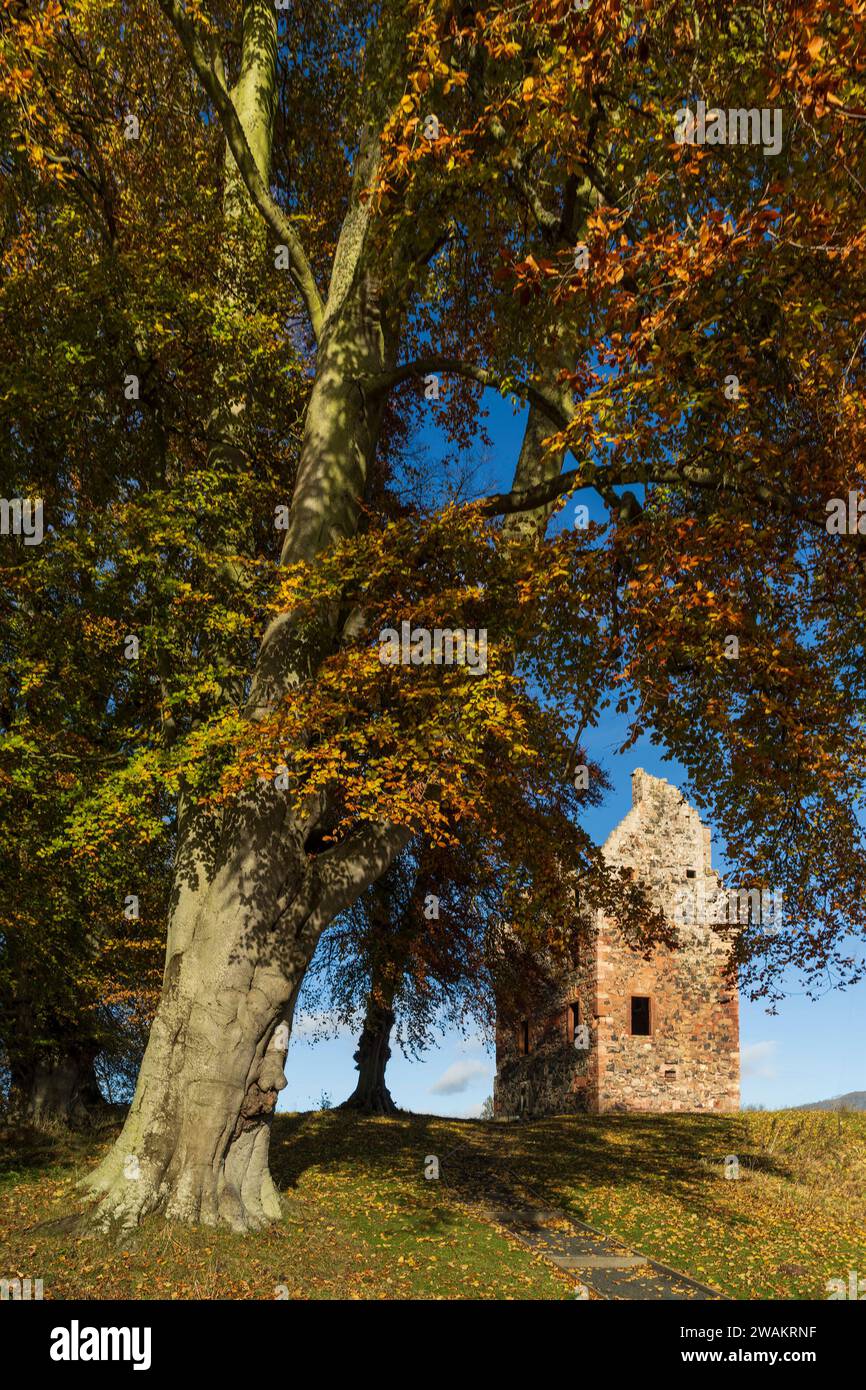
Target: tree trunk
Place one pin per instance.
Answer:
(195, 1142)
(371, 1095)
(250, 900)
(57, 1087)
(50, 1055)
(249, 906)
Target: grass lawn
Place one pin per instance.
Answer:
(794, 1218)
(363, 1222)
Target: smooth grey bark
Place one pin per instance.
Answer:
(249, 901)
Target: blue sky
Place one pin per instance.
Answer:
(808, 1050)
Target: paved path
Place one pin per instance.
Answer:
(602, 1266)
(600, 1263)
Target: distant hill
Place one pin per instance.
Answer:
(854, 1100)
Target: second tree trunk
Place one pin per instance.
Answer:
(371, 1095)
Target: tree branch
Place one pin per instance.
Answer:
(530, 499)
(549, 221)
(424, 366)
(587, 474)
(271, 213)
(603, 481)
(351, 866)
(550, 404)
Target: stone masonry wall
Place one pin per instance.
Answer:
(690, 1060)
(556, 1077)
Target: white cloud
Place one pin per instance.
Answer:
(458, 1077)
(758, 1060)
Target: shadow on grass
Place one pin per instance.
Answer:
(25, 1148)
(378, 1155)
(543, 1162)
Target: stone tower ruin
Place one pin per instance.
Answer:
(622, 1032)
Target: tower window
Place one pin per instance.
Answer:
(640, 1016)
(524, 1037)
(573, 1020)
(691, 873)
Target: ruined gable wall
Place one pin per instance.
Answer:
(691, 1059)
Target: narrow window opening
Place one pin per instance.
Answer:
(691, 873)
(573, 1020)
(640, 1016)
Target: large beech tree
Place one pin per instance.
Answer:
(467, 196)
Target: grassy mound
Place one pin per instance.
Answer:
(362, 1221)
